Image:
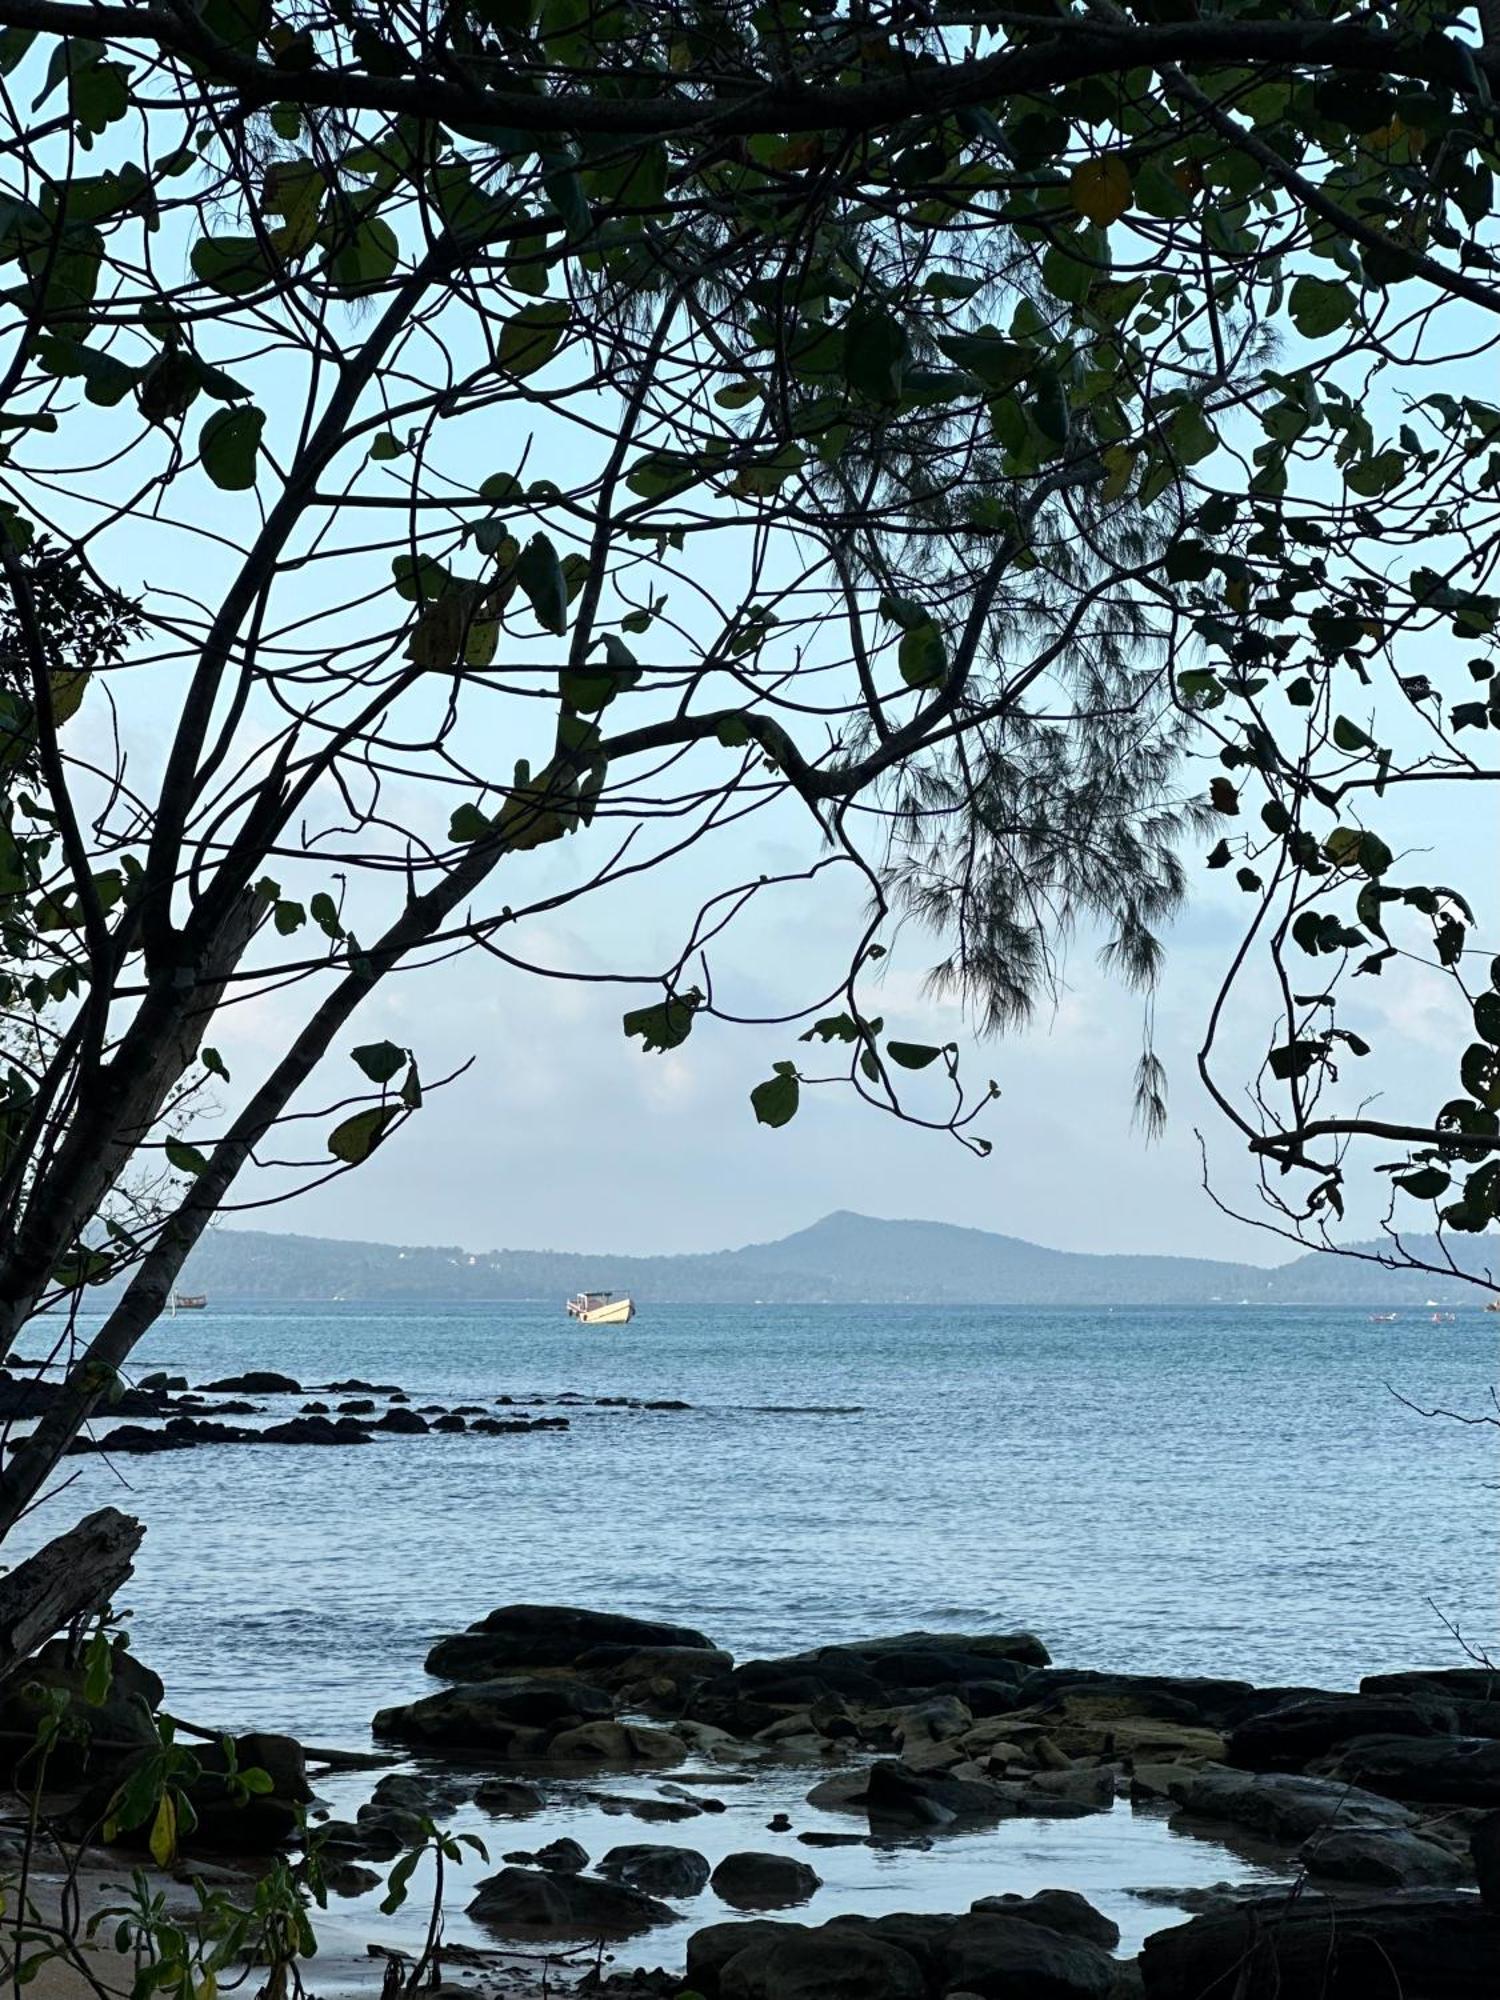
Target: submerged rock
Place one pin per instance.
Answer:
(507, 1798)
(825, 1965)
(558, 1857)
(525, 1903)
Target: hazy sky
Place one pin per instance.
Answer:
(565, 1135)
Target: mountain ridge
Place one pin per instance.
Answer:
(843, 1258)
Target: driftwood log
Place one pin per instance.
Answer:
(73, 1575)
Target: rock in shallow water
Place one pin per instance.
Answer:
(524, 1903)
(507, 1797)
(1381, 1858)
(1429, 1770)
(659, 1870)
(764, 1881)
(1280, 1807)
(548, 1635)
(1288, 1739)
(487, 1714)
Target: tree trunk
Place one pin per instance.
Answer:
(73, 1575)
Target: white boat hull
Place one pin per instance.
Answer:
(615, 1312)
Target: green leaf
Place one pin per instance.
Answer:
(667, 1024)
(212, 1060)
(874, 355)
(1487, 1016)
(1320, 306)
(229, 445)
(1426, 1184)
(922, 655)
(531, 337)
(468, 824)
(356, 1138)
(385, 445)
(163, 1838)
(365, 260)
(185, 1158)
(379, 1060)
(912, 1055)
(540, 575)
(231, 265)
(775, 1101)
(1349, 736)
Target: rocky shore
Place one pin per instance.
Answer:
(1369, 1817)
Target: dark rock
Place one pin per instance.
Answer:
(255, 1382)
(525, 1903)
(94, 1738)
(547, 1635)
(498, 1427)
(1432, 1770)
(373, 1836)
(816, 1837)
(348, 1878)
(1484, 1847)
(315, 1409)
(1448, 1683)
(679, 1668)
(163, 1384)
(357, 1406)
(660, 1871)
(1216, 1704)
(666, 1403)
(1281, 1807)
(1023, 1647)
(711, 1949)
(507, 1798)
(836, 1964)
(1062, 1910)
(558, 1857)
(354, 1386)
(424, 1797)
(451, 1421)
(764, 1881)
(658, 1810)
(896, 1795)
(1426, 1945)
(621, 1743)
(999, 1958)
(25, 1398)
(407, 1422)
(1289, 1739)
(314, 1430)
(487, 1714)
(1391, 1857)
(226, 1823)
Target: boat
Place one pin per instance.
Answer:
(601, 1309)
(189, 1302)
(1383, 1319)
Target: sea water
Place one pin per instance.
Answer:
(1226, 1491)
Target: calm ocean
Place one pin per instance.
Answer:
(1229, 1491)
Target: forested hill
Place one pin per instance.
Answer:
(845, 1257)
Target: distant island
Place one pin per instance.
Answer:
(845, 1259)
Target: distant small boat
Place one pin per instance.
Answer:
(601, 1309)
(1384, 1319)
(189, 1302)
